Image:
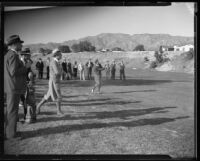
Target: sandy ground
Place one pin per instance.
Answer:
(151, 112)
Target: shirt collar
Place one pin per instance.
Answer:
(56, 59)
(14, 50)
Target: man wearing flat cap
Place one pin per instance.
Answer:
(14, 83)
(54, 92)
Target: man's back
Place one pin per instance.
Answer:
(14, 73)
(55, 71)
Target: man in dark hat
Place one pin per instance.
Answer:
(28, 99)
(14, 83)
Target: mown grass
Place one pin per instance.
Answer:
(149, 113)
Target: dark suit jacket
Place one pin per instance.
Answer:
(39, 66)
(14, 74)
(91, 65)
(64, 66)
(69, 67)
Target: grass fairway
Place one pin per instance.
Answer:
(150, 113)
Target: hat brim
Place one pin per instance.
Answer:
(25, 54)
(15, 42)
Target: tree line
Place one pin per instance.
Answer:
(83, 46)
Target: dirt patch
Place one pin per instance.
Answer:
(182, 62)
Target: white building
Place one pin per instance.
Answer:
(184, 48)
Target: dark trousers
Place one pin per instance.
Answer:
(48, 72)
(86, 74)
(97, 80)
(12, 114)
(75, 72)
(40, 74)
(122, 75)
(112, 74)
(90, 74)
(22, 98)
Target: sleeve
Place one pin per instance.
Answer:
(55, 68)
(37, 65)
(99, 68)
(14, 66)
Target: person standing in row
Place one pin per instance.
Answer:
(39, 67)
(107, 69)
(81, 71)
(64, 67)
(122, 70)
(86, 69)
(47, 67)
(54, 91)
(14, 83)
(89, 65)
(113, 70)
(75, 69)
(69, 70)
(97, 75)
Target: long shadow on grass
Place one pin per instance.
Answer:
(86, 100)
(122, 114)
(74, 103)
(136, 91)
(40, 95)
(77, 127)
(128, 82)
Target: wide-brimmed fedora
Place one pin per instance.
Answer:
(14, 39)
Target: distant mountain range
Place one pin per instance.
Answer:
(124, 41)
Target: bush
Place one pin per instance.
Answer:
(153, 64)
(41, 50)
(48, 51)
(45, 51)
(64, 49)
(146, 59)
(139, 47)
(159, 57)
(83, 46)
(188, 55)
(76, 48)
(117, 49)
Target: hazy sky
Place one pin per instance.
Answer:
(59, 24)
